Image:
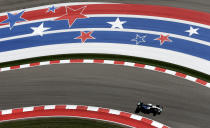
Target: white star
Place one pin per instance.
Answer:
(117, 23)
(192, 31)
(39, 30)
(139, 39)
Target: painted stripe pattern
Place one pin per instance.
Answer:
(105, 114)
(179, 30)
(114, 62)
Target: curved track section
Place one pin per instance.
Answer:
(110, 86)
(80, 111)
(137, 65)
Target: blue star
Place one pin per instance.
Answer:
(139, 39)
(51, 9)
(12, 19)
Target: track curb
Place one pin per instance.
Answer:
(114, 62)
(81, 111)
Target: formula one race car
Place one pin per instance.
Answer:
(148, 108)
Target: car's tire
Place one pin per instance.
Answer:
(137, 110)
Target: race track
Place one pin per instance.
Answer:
(186, 104)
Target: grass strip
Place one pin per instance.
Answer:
(59, 123)
(161, 64)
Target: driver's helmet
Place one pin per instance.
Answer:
(139, 103)
(149, 104)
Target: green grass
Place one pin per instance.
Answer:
(58, 123)
(113, 57)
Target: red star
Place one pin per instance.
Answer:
(72, 15)
(163, 39)
(84, 36)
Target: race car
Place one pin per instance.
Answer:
(148, 108)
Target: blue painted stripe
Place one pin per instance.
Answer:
(178, 45)
(100, 22)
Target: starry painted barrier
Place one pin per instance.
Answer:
(173, 35)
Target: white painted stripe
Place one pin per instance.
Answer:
(5, 69)
(88, 61)
(115, 112)
(91, 108)
(190, 78)
(47, 107)
(71, 106)
(56, 5)
(208, 85)
(25, 66)
(45, 63)
(169, 56)
(110, 29)
(136, 117)
(129, 64)
(28, 109)
(108, 62)
(170, 72)
(157, 124)
(5, 112)
(149, 67)
(64, 61)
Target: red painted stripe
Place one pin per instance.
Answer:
(165, 127)
(148, 121)
(180, 74)
(139, 65)
(201, 82)
(35, 64)
(18, 110)
(54, 61)
(125, 114)
(160, 69)
(119, 62)
(38, 108)
(82, 107)
(60, 107)
(76, 61)
(132, 9)
(15, 67)
(98, 61)
(104, 110)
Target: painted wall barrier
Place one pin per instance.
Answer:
(173, 35)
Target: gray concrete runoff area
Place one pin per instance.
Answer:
(186, 104)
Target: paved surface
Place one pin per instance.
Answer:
(202, 5)
(186, 104)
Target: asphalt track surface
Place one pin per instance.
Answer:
(186, 104)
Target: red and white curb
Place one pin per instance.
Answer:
(81, 111)
(138, 65)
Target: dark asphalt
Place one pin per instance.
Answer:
(186, 104)
(201, 5)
